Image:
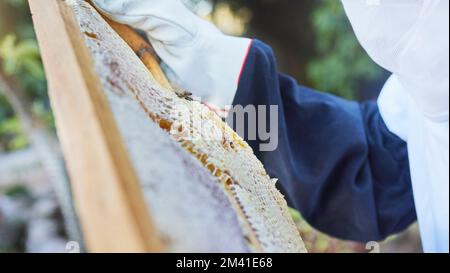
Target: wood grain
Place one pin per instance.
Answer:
(109, 202)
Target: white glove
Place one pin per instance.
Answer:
(207, 62)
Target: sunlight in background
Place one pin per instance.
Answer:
(228, 21)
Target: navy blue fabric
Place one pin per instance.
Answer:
(336, 161)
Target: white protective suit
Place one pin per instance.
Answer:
(410, 38)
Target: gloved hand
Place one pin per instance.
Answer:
(207, 62)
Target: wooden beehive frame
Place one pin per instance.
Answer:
(101, 172)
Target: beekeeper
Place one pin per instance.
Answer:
(357, 171)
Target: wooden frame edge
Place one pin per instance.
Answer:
(109, 201)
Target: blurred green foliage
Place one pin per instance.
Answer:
(12, 137)
(341, 65)
(18, 191)
(20, 58)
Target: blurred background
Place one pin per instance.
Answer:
(312, 40)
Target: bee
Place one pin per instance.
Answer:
(183, 94)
